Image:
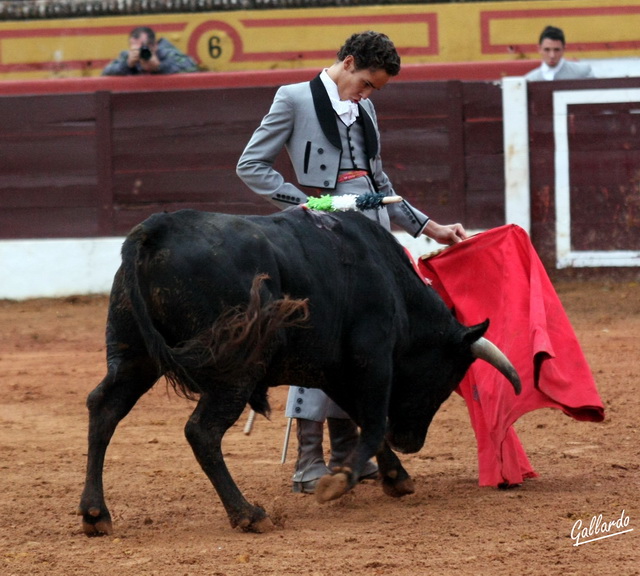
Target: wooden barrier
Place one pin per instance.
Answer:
(585, 172)
(92, 157)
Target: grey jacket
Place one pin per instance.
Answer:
(302, 120)
(568, 71)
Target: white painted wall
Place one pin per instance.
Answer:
(55, 268)
(516, 146)
(614, 67)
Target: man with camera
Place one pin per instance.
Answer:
(146, 56)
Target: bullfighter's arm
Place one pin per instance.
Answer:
(255, 167)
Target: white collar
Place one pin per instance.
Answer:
(549, 73)
(346, 109)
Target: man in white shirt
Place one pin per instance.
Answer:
(551, 47)
(330, 131)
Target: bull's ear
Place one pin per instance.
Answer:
(476, 332)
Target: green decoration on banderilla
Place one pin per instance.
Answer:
(370, 201)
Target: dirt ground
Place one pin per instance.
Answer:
(169, 522)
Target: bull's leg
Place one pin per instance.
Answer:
(367, 405)
(396, 481)
(204, 431)
(108, 404)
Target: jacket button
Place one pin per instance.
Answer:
(326, 183)
(323, 167)
(298, 410)
(299, 400)
(301, 390)
(320, 150)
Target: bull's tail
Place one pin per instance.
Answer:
(236, 348)
(241, 341)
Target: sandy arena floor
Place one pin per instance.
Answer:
(169, 522)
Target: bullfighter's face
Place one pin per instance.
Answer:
(356, 85)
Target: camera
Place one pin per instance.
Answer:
(145, 53)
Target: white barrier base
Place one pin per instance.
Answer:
(56, 268)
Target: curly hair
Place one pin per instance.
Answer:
(371, 50)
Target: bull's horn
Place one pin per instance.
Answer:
(488, 351)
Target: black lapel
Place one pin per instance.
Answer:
(370, 138)
(324, 112)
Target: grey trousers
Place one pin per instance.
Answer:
(311, 404)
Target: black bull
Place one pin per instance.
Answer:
(227, 306)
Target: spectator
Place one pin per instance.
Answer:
(554, 67)
(146, 56)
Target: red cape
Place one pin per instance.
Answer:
(498, 275)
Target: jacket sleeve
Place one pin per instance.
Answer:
(176, 63)
(172, 61)
(119, 66)
(534, 75)
(255, 167)
(585, 70)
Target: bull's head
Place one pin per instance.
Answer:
(420, 390)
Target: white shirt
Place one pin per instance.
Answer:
(345, 109)
(549, 73)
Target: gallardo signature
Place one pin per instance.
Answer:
(597, 529)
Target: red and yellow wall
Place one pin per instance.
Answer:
(304, 38)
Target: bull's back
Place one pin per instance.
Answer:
(191, 265)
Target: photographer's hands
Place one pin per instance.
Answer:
(134, 57)
(151, 64)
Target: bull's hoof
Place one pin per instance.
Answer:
(259, 526)
(96, 522)
(252, 519)
(398, 488)
(263, 525)
(331, 487)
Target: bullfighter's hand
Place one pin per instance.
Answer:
(445, 234)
